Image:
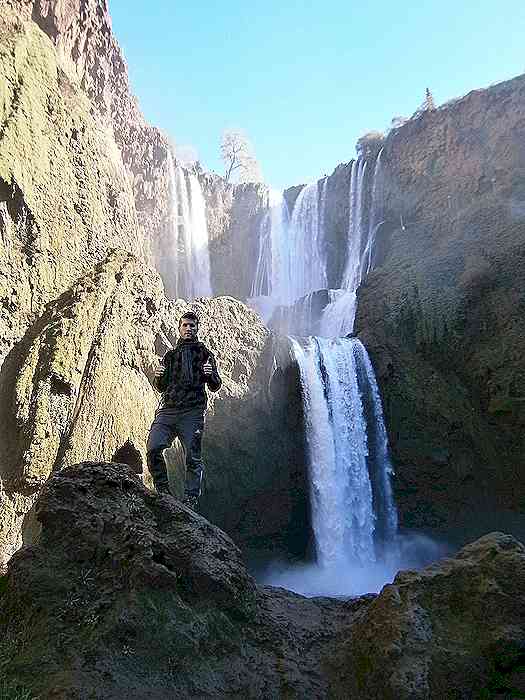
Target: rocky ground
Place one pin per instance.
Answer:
(129, 594)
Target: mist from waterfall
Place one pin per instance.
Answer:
(189, 235)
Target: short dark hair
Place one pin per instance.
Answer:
(191, 315)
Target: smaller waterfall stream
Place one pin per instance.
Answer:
(189, 273)
(339, 316)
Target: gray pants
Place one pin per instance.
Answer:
(188, 426)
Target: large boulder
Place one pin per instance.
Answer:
(126, 593)
(131, 594)
(455, 630)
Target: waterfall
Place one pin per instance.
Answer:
(380, 465)
(291, 262)
(306, 264)
(367, 260)
(198, 244)
(354, 518)
(343, 517)
(273, 257)
(188, 272)
(339, 316)
(353, 513)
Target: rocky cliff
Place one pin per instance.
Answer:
(78, 385)
(84, 212)
(443, 313)
(130, 594)
(235, 214)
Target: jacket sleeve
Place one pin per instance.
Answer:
(214, 381)
(161, 383)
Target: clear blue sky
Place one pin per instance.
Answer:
(305, 80)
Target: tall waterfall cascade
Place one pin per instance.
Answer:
(351, 495)
(353, 515)
(189, 235)
(291, 263)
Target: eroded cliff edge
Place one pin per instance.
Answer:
(443, 312)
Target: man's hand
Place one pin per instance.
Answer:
(207, 368)
(159, 371)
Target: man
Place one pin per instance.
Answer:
(187, 369)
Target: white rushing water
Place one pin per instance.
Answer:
(375, 221)
(200, 284)
(189, 240)
(339, 316)
(353, 514)
(341, 491)
(291, 262)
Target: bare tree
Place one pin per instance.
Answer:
(238, 156)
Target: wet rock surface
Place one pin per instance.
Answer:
(454, 630)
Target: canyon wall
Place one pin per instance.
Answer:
(85, 212)
(443, 312)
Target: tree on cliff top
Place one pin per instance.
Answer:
(428, 105)
(238, 156)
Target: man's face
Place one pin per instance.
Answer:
(188, 329)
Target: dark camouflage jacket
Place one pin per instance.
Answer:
(183, 381)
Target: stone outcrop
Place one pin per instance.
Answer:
(235, 215)
(454, 630)
(443, 313)
(130, 594)
(78, 385)
(65, 198)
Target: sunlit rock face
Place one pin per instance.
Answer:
(443, 312)
(85, 215)
(79, 386)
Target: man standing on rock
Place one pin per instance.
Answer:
(187, 369)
